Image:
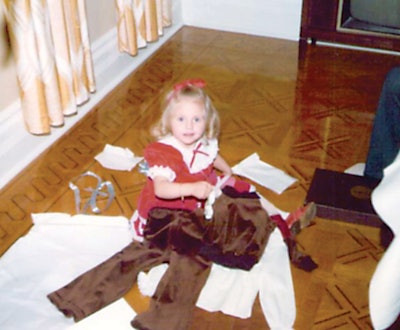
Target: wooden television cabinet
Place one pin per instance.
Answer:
(325, 20)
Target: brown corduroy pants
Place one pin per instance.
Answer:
(176, 237)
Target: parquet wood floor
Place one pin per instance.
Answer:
(297, 108)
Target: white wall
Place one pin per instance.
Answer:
(271, 18)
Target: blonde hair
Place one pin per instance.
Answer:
(187, 91)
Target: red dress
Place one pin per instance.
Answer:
(163, 155)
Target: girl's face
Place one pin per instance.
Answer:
(188, 121)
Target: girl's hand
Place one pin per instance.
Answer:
(202, 189)
(170, 190)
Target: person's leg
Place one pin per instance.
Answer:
(385, 136)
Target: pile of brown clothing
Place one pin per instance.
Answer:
(236, 237)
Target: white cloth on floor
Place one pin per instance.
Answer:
(58, 248)
(233, 291)
(384, 290)
(264, 174)
(356, 169)
(117, 158)
(117, 315)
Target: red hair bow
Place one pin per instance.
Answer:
(200, 83)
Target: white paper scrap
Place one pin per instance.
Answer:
(264, 174)
(356, 169)
(117, 158)
(117, 316)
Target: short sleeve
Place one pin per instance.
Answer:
(166, 172)
(162, 160)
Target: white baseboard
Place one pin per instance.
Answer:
(18, 148)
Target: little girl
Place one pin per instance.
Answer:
(182, 163)
(181, 174)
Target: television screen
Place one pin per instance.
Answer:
(379, 12)
(377, 16)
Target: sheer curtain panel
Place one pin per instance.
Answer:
(141, 22)
(51, 47)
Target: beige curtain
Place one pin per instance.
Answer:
(54, 64)
(141, 22)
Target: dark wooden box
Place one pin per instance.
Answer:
(344, 197)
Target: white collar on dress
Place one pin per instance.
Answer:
(198, 158)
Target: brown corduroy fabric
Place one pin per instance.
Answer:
(239, 229)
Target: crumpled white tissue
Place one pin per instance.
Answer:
(117, 158)
(264, 174)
